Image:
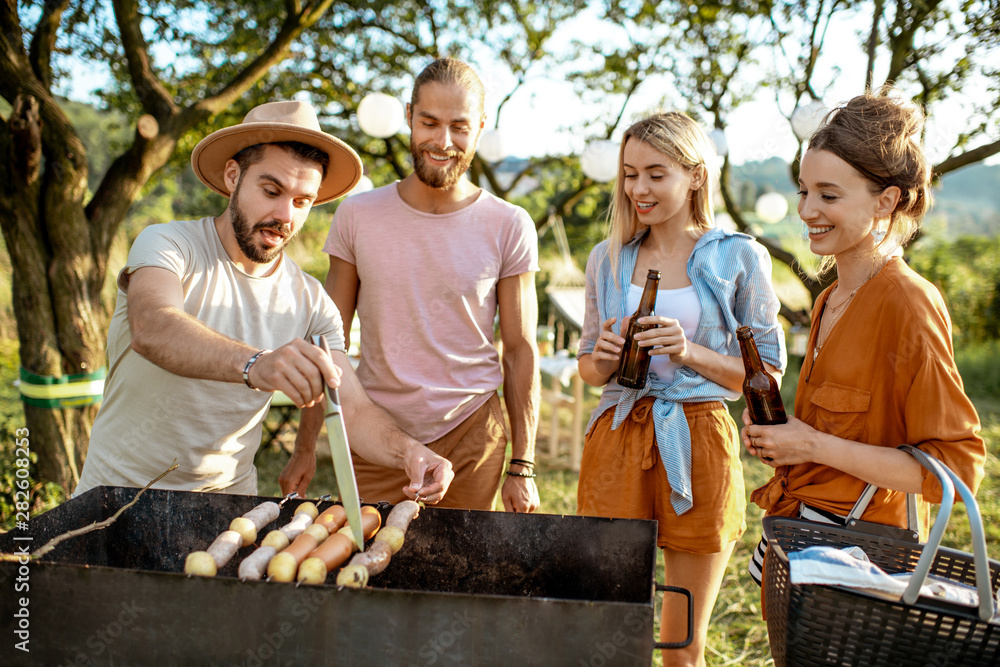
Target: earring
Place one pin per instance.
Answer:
(878, 233)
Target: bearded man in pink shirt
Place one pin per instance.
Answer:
(427, 262)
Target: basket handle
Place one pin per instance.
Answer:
(912, 523)
(950, 482)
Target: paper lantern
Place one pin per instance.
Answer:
(771, 207)
(599, 160)
(806, 119)
(380, 115)
(364, 185)
(725, 221)
(492, 146)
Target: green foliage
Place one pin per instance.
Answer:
(40, 496)
(979, 365)
(967, 272)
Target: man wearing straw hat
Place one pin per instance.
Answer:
(212, 317)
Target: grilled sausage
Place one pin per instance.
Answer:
(254, 565)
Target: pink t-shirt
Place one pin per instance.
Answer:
(427, 301)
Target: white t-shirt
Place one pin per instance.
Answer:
(679, 304)
(150, 416)
(427, 300)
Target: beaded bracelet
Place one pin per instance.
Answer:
(246, 369)
(523, 462)
(529, 475)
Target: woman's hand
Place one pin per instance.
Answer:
(779, 445)
(608, 348)
(667, 337)
(797, 442)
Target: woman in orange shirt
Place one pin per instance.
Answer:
(879, 369)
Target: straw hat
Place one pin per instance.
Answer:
(270, 123)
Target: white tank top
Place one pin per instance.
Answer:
(679, 304)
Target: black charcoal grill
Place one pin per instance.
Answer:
(468, 588)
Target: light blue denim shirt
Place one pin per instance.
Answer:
(731, 274)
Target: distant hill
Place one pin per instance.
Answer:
(966, 201)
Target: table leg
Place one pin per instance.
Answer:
(556, 389)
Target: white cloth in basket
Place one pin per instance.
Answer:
(851, 567)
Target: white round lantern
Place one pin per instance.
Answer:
(718, 138)
(806, 119)
(492, 146)
(725, 221)
(771, 207)
(599, 160)
(380, 115)
(364, 185)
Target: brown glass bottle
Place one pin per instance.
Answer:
(759, 387)
(634, 363)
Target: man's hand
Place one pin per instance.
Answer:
(299, 369)
(519, 494)
(430, 474)
(298, 472)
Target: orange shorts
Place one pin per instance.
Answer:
(476, 449)
(622, 476)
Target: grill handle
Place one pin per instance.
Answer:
(690, 624)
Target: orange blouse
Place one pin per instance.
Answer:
(886, 376)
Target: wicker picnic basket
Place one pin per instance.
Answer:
(811, 624)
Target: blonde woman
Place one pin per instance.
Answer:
(670, 452)
(879, 369)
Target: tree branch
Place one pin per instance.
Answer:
(565, 202)
(277, 50)
(487, 171)
(636, 81)
(873, 44)
(13, 60)
(968, 157)
(520, 82)
(534, 165)
(901, 44)
(776, 251)
(97, 525)
(154, 97)
(44, 40)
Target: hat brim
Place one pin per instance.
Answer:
(210, 156)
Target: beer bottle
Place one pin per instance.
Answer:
(634, 362)
(759, 387)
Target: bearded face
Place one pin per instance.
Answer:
(445, 121)
(248, 235)
(426, 163)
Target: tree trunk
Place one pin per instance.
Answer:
(55, 282)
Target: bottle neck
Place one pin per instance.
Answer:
(648, 301)
(751, 357)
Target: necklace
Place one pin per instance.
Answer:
(827, 322)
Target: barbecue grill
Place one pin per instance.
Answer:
(468, 588)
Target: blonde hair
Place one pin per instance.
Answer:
(678, 137)
(878, 134)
